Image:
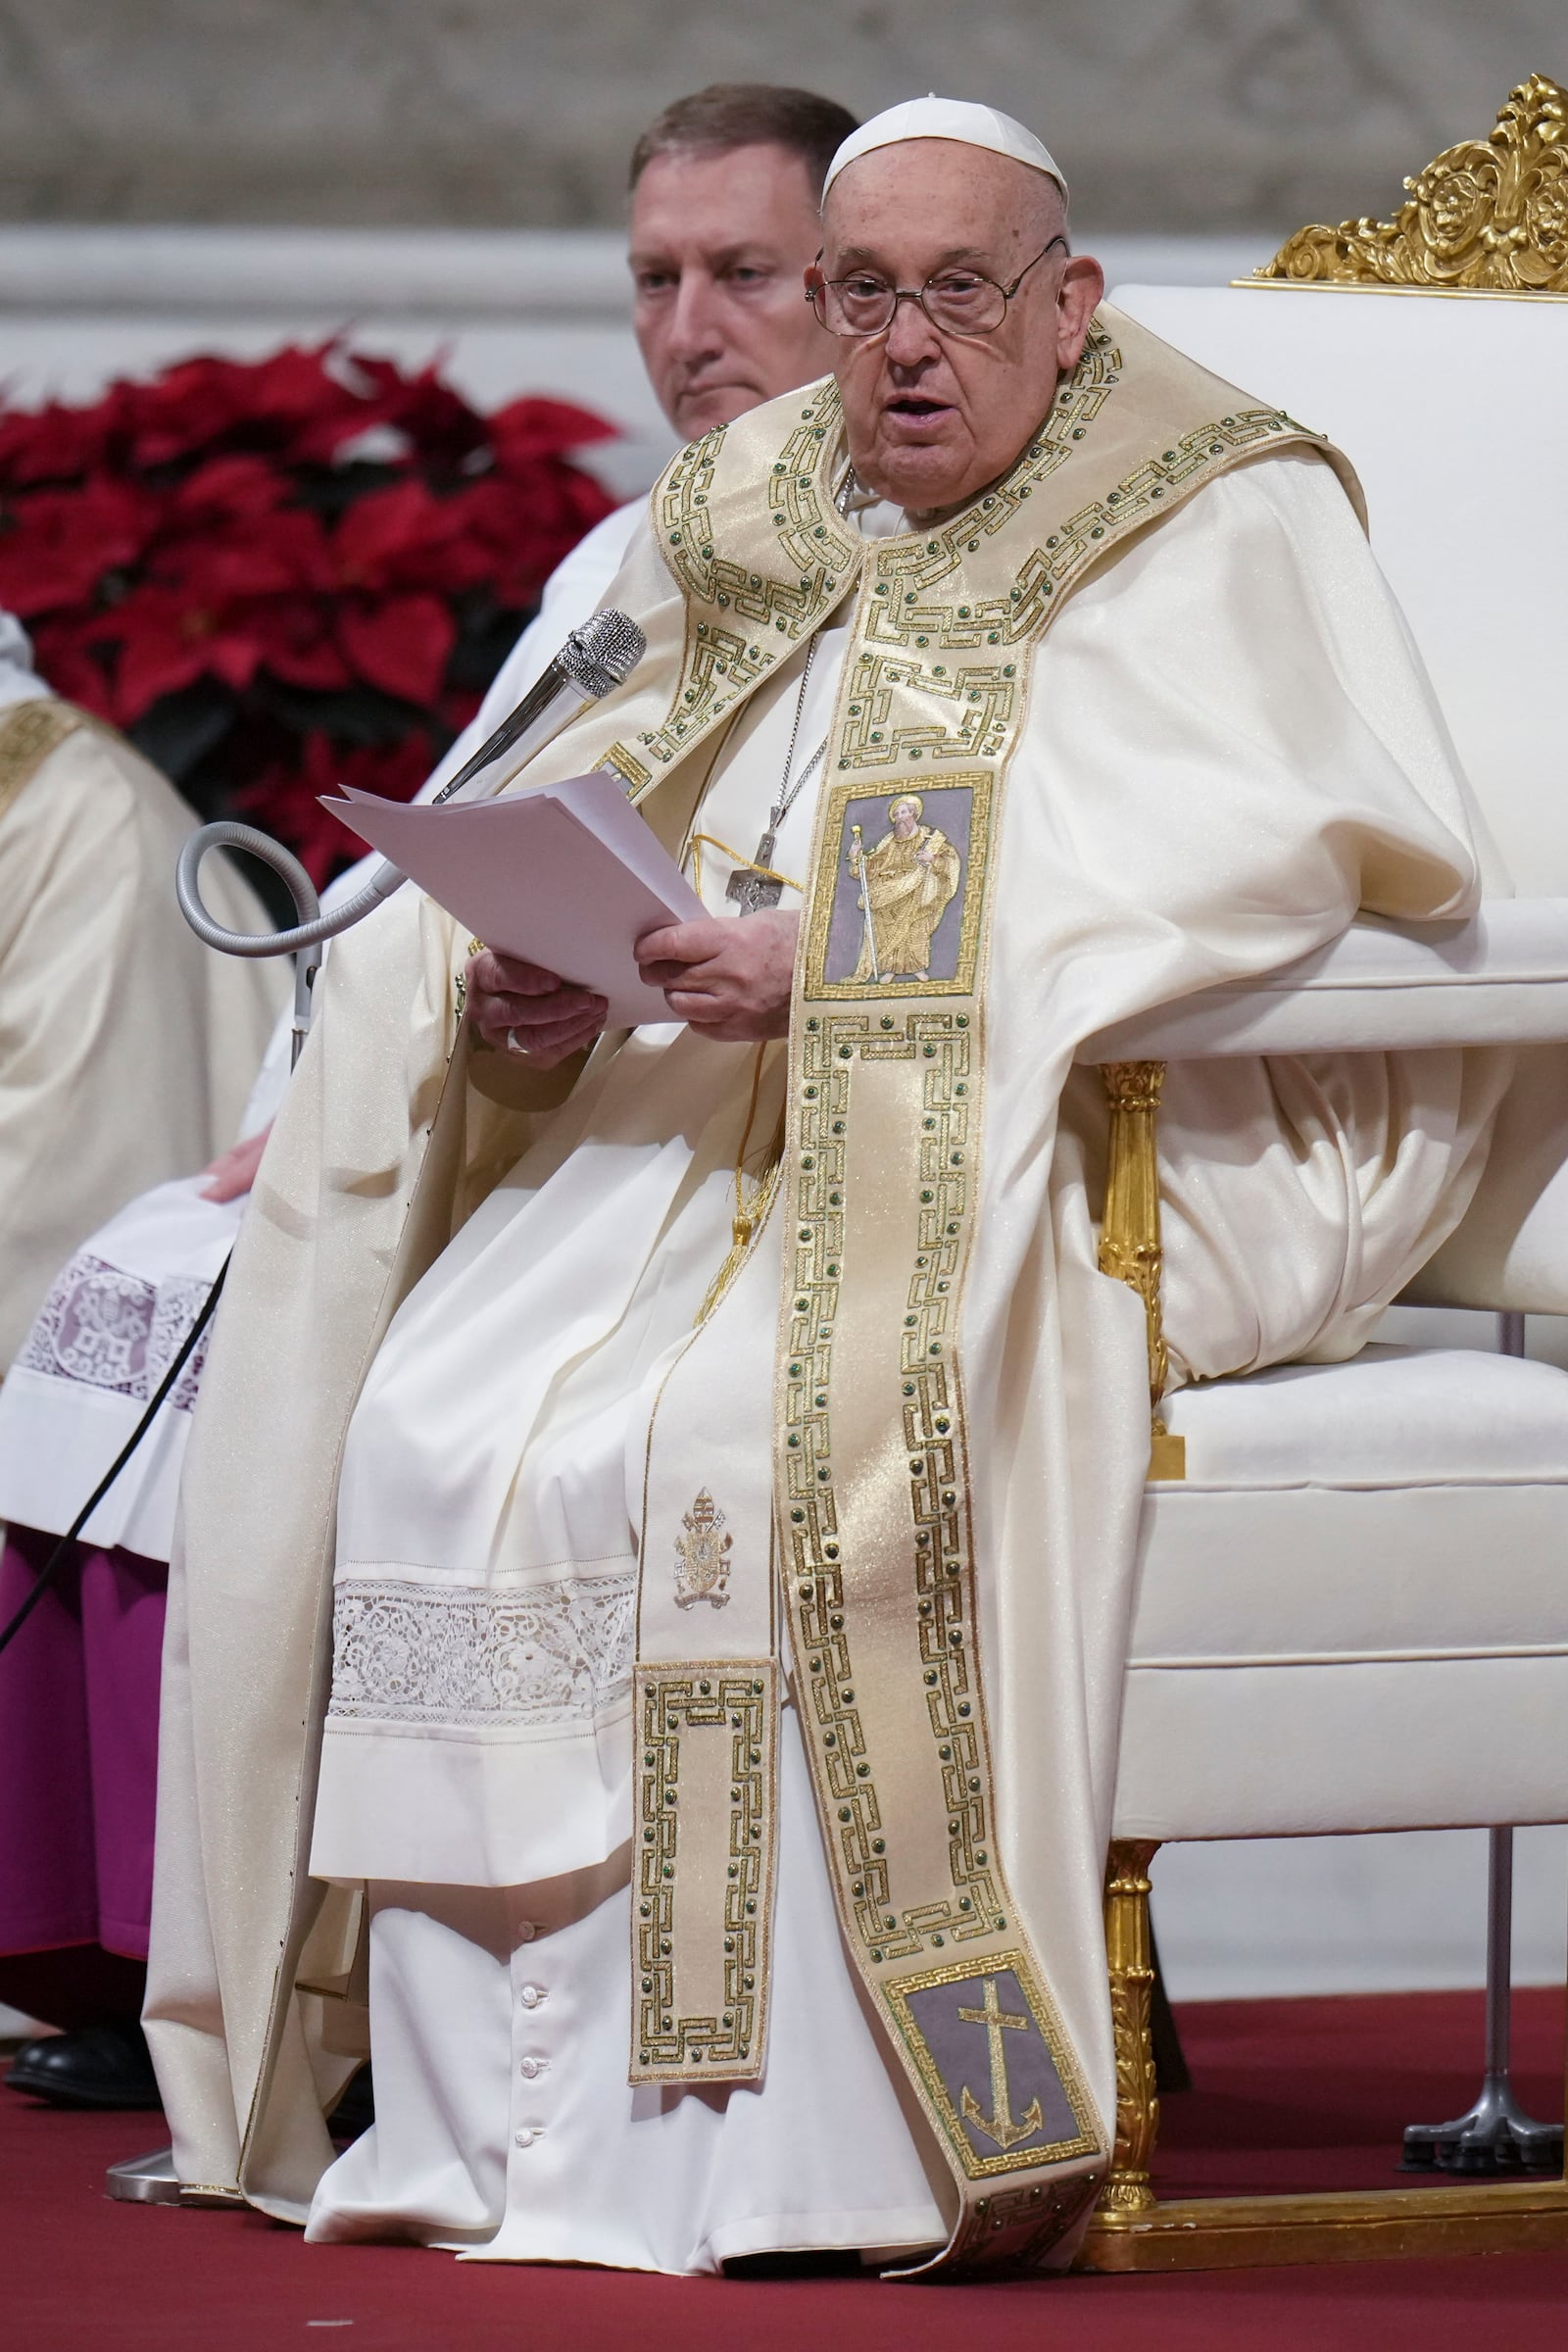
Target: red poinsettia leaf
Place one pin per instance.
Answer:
(536, 427)
(61, 543)
(57, 443)
(235, 488)
(382, 526)
(284, 798)
(204, 400)
(298, 644)
(403, 537)
(151, 667)
(400, 643)
(275, 553)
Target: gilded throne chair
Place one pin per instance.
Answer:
(1342, 1565)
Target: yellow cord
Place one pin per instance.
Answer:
(750, 864)
(749, 1215)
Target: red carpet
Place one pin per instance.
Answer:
(1289, 2094)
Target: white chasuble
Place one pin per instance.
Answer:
(1201, 770)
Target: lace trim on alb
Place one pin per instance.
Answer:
(102, 1328)
(425, 1654)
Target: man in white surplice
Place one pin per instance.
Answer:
(1227, 750)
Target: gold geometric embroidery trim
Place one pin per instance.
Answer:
(670, 1703)
(971, 706)
(910, 623)
(940, 1588)
(631, 772)
(28, 733)
(726, 656)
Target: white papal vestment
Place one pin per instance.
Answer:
(476, 1765)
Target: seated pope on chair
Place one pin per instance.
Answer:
(658, 1532)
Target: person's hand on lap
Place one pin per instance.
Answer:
(522, 1009)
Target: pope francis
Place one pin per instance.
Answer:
(660, 1526)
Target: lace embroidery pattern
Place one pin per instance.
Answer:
(105, 1329)
(424, 1654)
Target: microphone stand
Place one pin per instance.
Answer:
(594, 660)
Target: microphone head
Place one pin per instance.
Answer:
(601, 654)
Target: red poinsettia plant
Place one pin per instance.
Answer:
(281, 575)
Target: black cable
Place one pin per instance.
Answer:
(56, 1560)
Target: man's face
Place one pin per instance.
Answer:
(719, 249)
(932, 417)
(904, 820)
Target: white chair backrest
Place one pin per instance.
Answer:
(1454, 412)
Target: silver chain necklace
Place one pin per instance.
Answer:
(747, 889)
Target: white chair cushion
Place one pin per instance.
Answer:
(1365, 1559)
(1389, 1417)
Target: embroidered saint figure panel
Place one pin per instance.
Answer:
(902, 908)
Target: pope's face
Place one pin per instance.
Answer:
(932, 417)
(719, 249)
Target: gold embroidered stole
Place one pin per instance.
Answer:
(871, 1517)
(28, 733)
(883, 1176)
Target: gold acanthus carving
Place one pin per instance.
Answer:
(1130, 1954)
(1488, 216)
(1130, 1246)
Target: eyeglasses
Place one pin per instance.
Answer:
(957, 302)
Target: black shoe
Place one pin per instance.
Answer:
(355, 2111)
(94, 2066)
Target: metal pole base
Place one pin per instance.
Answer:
(1495, 2135)
(153, 2180)
(144, 2179)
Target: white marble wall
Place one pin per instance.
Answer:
(1166, 114)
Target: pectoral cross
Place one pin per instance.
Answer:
(999, 2126)
(750, 890)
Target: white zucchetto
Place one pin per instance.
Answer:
(937, 118)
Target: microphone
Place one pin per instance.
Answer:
(594, 660)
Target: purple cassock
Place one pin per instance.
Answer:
(80, 1684)
(78, 1748)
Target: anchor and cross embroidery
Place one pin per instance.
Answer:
(999, 2126)
(702, 1555)
(1035, 2111)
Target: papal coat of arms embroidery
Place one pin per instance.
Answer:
(702, 1557)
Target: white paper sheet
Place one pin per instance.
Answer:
(566, 875)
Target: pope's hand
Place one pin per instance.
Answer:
(521, 1008)
(730, 977)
